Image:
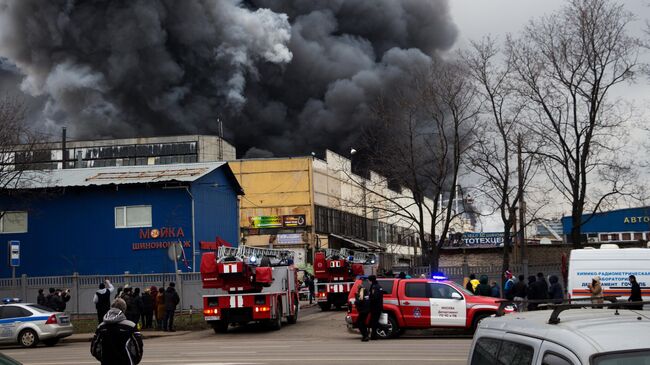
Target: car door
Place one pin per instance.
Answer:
(414, 303)
(447, 305)
(9, 322)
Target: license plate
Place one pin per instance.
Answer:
(212, 318)
(64, 320)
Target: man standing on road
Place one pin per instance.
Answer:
(370, 303)
(171, 301)
(102, 299)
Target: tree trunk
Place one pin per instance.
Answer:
(576, 231)
(434, 258)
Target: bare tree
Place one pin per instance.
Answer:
(418, 142)
(495, 157)
(17, 141)
(566, 65)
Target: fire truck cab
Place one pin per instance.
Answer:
(252, 285)
(425, 303)
(335, 272)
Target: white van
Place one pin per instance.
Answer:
(614, 266)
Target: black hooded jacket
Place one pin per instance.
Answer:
(117, 340)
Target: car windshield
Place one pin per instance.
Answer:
(623, 358)
(39, 308)
(465, 291)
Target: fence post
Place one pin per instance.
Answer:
(127, 279)
(75, 283)
(179, 287)
(23, 284)
(465, 270)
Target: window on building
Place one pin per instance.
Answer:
(626, 236)
(133, 216)
(604, 237)
(638, 236)
(13, 222)
(614, 237)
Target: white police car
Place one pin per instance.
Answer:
(28, 324)
(568, 335)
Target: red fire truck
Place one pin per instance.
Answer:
(252, 285)
(335, 272)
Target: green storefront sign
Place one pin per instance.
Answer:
(266, 221)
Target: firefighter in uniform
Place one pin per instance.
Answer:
(369, 302)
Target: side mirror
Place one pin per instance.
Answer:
(456, 296)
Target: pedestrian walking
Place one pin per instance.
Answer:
(371, 305)
(102, 299)
(171, 301)
(507, 286)
(147, 309)
(596, 290)
(533, 294)
(160, 308)
(555, 291)
(117, 340)
(40, 299)
(635, 294)
(483, 288)
(495, 291)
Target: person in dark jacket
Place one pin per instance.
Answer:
(40, 299)
(64, 298)
(147, 309)
(495, 292)
(635, 294)
(555, 291)
(52, 300)
(102, 299)
(117, 340)
(520, 291)
(372, 303)
(171, 301)
(532, 293)
(133, 304)
(483, 288)
(543, 285)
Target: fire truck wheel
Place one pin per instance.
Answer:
(220, 327)
(477, 320)
(276, 324)
(391, 330)
(324, 306)
(294, 318)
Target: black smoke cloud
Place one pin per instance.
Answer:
(285, 76)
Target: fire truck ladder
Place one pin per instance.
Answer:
(360, 257)
(331, 252)
(245, 251)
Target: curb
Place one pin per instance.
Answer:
(145, 336)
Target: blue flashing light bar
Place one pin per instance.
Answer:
(439, 276)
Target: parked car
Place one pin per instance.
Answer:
(426, 303)
(579, 337)
(28, 324)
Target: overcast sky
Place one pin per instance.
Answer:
(478, 18)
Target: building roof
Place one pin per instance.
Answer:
(586, 331)
(123, 175)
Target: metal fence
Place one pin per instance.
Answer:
(83, 288)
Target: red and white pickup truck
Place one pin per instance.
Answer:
(426, 303)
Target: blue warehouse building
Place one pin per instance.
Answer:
(117, 219)
(620, 226)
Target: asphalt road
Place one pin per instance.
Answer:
(318, 338)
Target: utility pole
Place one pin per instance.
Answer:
(63, 148)
(522, 211)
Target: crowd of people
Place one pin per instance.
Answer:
(153, 308)
(56, 299)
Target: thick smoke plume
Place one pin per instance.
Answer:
(286, 76)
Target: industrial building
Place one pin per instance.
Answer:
(112, 220)
(614, 226)
(304, 203)
(121, 152)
